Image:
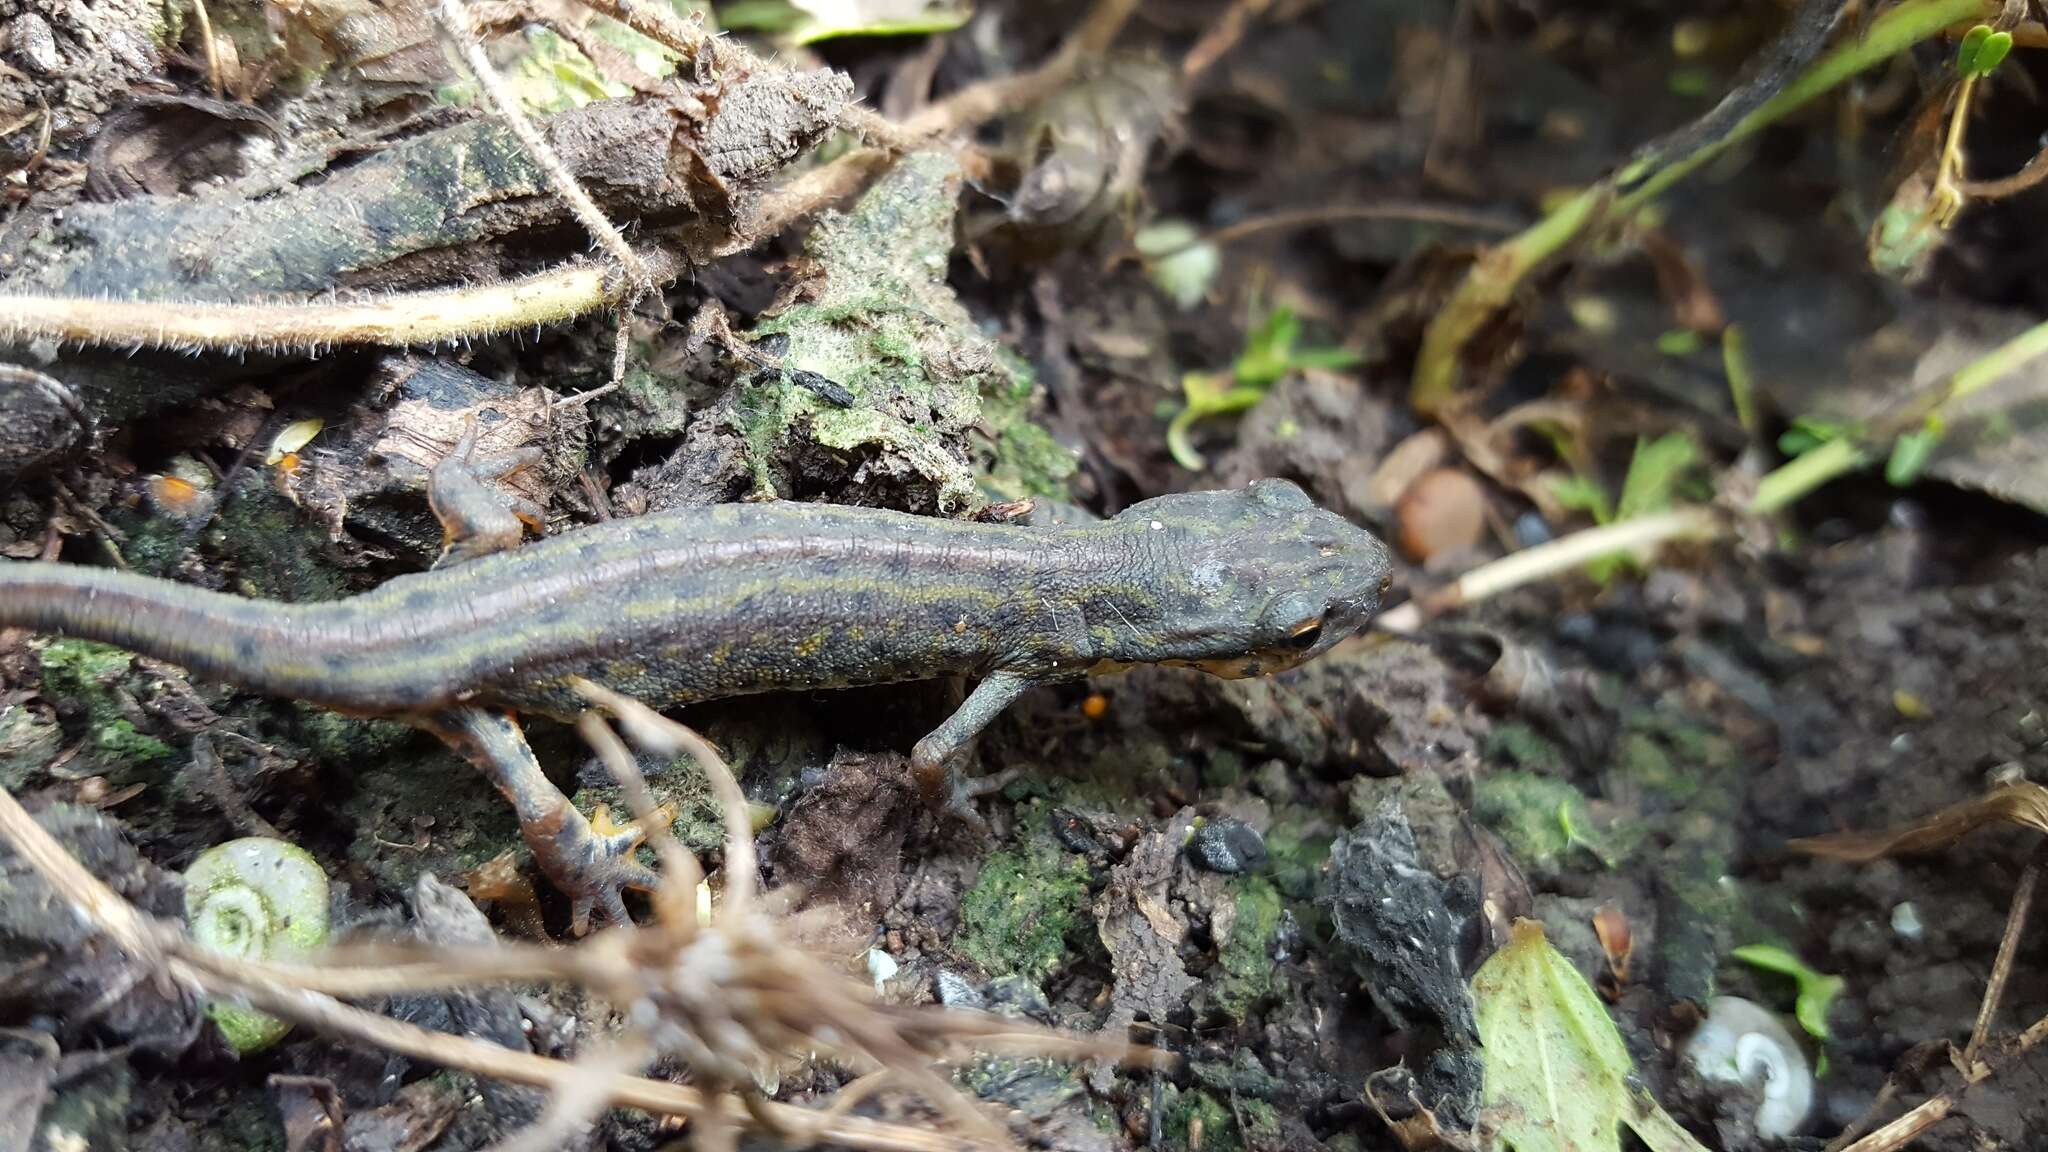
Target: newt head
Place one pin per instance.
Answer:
(1244, 582)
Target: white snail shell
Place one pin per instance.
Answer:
(1742, 1043)
(257, 899)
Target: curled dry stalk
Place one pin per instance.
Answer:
(726, 996)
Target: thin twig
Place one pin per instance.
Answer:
(462, 29)
(1545, 560)
(1934, 1109)
(166, 951)
(968, 108)
(658, 733)
(979, 103)
(1221, 37)
(96, 903)
(2030, 176)
(2008, 948)
(213, 69)
(455, 18)
(1413, 211)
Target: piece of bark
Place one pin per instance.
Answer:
(428, 211)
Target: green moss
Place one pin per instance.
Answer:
(1294, 855)
(1029, 462)
(88, 1111)
(1678, 762)
(1016, 918)
(1524, 747)
(28, 742)
(929, 392)
(1642, 761)
(1199, 1122)
(338, 739)
(1541, 818)
(699, 819)
(1261, 1121)
(89, 678)
(1244, 966)
(276, 553)
(1224, 769)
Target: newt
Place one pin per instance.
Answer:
(705, 602)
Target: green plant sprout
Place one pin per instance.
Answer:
(1573, 838)
(1851, 450)
(1741, 382)
(1655, 473)
(1496, 277)
(1816, 990)
(1269, 357)
(1976, 56)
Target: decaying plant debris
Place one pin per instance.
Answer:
(1691, 358)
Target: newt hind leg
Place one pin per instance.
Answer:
(476, 518)
(592, 869)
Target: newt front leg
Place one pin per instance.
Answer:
(932, 761)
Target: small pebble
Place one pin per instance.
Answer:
(1018, 996)
(881, 966)
(1906, 922)
(1227, 846)
(957, 991)
(1442, 513)
(1531, 529)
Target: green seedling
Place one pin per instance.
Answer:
(1269, 357)
(1982, 50)
(1816, 990)
(1656, 472)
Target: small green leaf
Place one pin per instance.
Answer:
(1808, 433)
(1328, 359)
(1741, 382)
(1996, 46)
(1207, 395)
(1179, 446)
(1654, 473)
(1971, 47)
(1582, 494)
(1556, 1073)
(1817, 990)
(769, 16)
(1910, 454)
(1268, 349)
(1679, 343)
(1982, 50)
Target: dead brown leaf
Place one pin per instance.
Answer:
(2024, 803)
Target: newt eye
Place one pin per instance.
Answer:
(1305, 634)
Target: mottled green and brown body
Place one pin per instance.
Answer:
(709, 602)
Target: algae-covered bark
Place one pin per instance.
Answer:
(416, 212)
(888, 392)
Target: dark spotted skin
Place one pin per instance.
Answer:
(701, 603)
